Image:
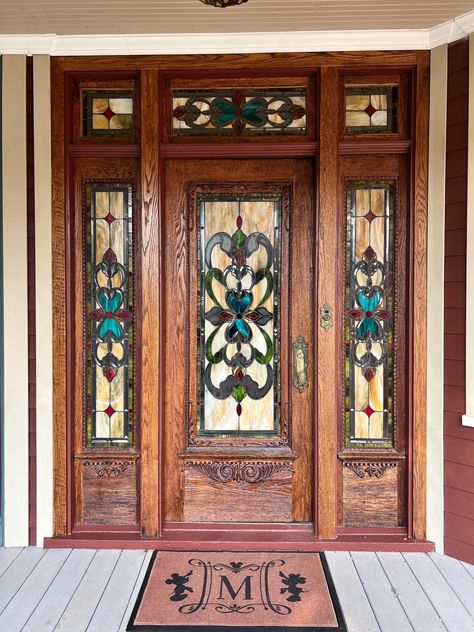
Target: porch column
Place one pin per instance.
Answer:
(15, 308)
(435, 363)
(44, 309)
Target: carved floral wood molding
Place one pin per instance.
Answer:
(109, 468)
(239, 471)
(372, 469)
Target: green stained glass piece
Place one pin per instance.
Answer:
(213, 273)
(260, 357)
(238, 239)
(228, 113)
(269, 277)
(250, 112)
(239, 392)
(211, 357)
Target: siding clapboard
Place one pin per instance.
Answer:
(458, 440)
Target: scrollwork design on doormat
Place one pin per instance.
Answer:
(373, 470)
(239, 471)
(109, 468)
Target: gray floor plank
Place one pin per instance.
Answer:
(386, 606)
(355, 606)
(62, 588)
(469, 568)
(421, 614)
(7, 555)
(82, 606)
(458, 578)
(18, 611)
(452, 612)
(136, 590)
(17, 573)
(111, 608)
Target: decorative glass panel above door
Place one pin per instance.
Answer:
(107, 113)
(371, 109)
(369, 314)
(239, 112)
(108, 318)
(239, 269)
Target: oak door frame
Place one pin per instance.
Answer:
(326, 152)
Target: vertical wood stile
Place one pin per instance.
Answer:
(327, 340)
(149, 353)
(59, 293)
(420, 236)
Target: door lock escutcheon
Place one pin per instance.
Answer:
(325, 316)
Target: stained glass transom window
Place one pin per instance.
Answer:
(371, 109)
(239, 263)
(239, 112)
(108, 113)
(369, 314)
(109, 314)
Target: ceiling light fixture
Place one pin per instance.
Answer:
(223, 3)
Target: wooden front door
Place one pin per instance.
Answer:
(239, 371)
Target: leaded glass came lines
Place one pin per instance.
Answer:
(369, 314)
(239, 112)
(109, 314)
(238, 252)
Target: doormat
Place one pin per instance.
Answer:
(189, 591)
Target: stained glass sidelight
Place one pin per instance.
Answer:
(371, 109)
(108, 326)
(107, 113)
(239, 112)
(369, 314)
(239, 262)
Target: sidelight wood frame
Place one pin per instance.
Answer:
(155, 73)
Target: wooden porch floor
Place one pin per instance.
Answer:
(94, 591)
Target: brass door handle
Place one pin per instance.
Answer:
(300, 363)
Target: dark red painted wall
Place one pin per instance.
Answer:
(458, 440)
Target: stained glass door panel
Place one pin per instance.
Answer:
(238, 434)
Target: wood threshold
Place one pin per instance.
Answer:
(297, 543)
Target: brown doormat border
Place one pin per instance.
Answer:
(341, 626)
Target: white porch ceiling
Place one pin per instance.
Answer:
(120, 17)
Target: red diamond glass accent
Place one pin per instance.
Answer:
(109, 411)
(370, 216)
(238, 409)
(368, 411)
(369, 374)
(109, 374)
(239, 222)
(108, 114)
(110, 256)
(369, 254)
(109, 218)
(370, 109)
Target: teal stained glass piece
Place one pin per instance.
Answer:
(250, 112)
(239, 306)
(366, 303)
(366, 326)
(112, 302)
